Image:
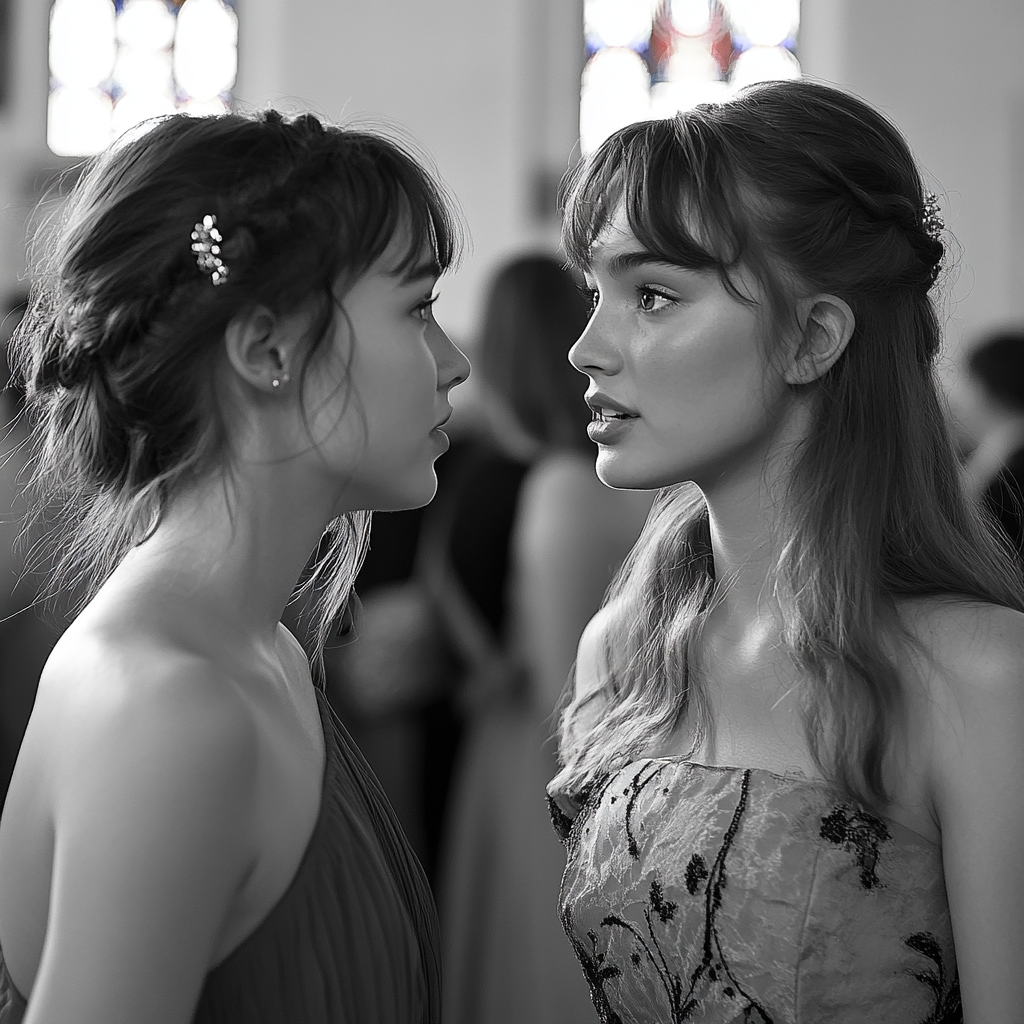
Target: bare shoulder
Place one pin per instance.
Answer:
(976, 650)
(136, 722)
(142, 755)
(968, 717)
(975, 715)
(108, 691)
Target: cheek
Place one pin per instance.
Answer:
(707, 382)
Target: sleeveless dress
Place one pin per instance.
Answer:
(354, 939)
(717, 895)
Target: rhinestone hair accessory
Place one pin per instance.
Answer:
(931, 219)
(206, 241)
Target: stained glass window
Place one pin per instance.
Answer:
(652, 58)
(116, 63)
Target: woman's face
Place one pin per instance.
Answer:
(679, 379)
(376, 398)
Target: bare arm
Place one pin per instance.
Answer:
(151, 812)
(571, 534)
(978, 792)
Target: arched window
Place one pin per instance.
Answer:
(115, 63)
(651, 58)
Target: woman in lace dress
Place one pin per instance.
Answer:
(230, 350)
(791, 773)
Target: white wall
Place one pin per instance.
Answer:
(488, 89)
(951, 75)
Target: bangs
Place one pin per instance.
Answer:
(408, 198)
(671, 180)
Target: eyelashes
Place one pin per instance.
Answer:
(423, 309)
(648, 298)
(590, 297)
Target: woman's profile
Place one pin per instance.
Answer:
(229, 350)
(791, 767)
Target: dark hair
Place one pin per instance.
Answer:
(120, 338)
(813, 191)
(998, 363)
(534, 314)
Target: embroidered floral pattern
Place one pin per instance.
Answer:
(655, 927)
(696, 872)
(681, 988)
(947, 1007)
(863, 832)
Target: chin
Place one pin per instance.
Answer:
(415, 495)
(627, 474)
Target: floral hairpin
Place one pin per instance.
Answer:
(931, 219)
(206, 241)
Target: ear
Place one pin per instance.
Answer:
(260, 347)
(826, 325)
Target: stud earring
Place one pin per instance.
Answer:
(278, 381)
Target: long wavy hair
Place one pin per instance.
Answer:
(118, 346)
(806, 187)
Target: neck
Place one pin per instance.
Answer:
(233, 548)
(743, 507)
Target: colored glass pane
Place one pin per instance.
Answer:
(695, 51)
(114, 65)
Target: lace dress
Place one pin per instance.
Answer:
(727, 895)
(354, 938)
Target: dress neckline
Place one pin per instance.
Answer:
(797, 779)
(330, 741)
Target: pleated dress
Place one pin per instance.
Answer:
(354, 939)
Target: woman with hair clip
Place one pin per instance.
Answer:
(229, 350)
(791, 773)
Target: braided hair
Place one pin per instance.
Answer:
(117, 348)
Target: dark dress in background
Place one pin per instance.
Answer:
(1004, 498)
(413, 753)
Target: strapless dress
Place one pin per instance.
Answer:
(716, 895)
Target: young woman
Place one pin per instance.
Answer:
(230, 348)
(792, 751)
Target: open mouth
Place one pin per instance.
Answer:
(602, 415)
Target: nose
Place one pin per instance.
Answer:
(594, 351)
(452, 365)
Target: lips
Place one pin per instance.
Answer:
(607, 410)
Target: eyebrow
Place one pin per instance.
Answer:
(421, 272)
(624, 261)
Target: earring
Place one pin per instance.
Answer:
(278, 381)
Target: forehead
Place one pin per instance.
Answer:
(685, 243)
(403, 265)
(614, 239)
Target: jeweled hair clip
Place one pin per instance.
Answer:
(206, 240)
(931, 219)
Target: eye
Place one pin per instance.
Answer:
(423, 310)
(651, 301)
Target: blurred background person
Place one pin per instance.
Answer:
(504, 955)
(398, 677)
(27, 630)
(988, 407)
